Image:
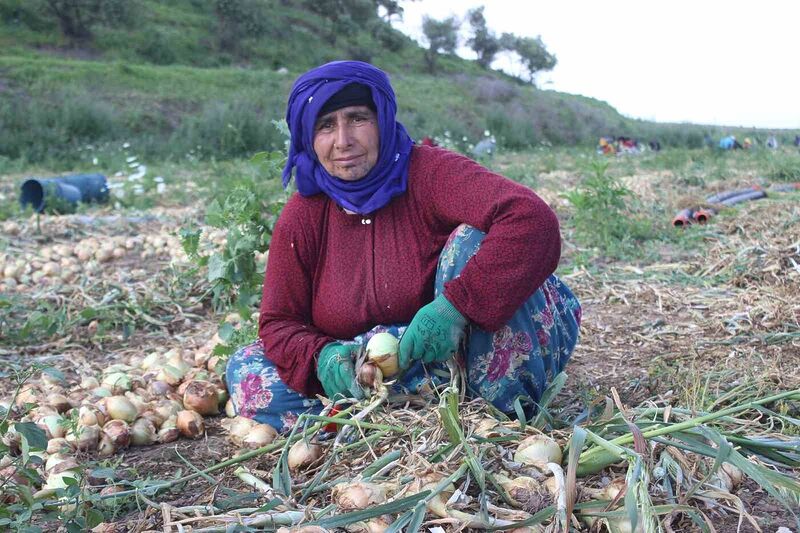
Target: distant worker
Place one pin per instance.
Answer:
(727, 142)
(797, 140)
(605, 147)
(772, 142)
(655, 146)
(747, 143)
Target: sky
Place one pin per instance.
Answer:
(728, 63)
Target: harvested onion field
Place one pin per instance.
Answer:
(680, 409)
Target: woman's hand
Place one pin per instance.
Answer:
(434, 334)
(336, 371)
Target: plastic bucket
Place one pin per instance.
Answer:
(63, 193)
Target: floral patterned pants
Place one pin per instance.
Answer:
(517, 361)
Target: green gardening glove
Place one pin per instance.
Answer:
(336, 372)
(434, 334)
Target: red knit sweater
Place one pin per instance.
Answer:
(332, 275)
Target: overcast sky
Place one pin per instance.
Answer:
(733, 62)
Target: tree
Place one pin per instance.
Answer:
(442, 36)
(532, 53)
(483, 41)
(346, 16)
(390, 9)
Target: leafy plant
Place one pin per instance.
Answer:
(248, 214)
(604, 217)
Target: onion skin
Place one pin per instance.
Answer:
(537, 451)
(382, 350)
(368, 375)
(143, 432)
(190, 424)
(259, 435)
(303, 454)
(201, 396)
(169, 430)
(358, 495)
(121, 408)
(118, 432)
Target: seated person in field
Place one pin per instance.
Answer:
(386, 235)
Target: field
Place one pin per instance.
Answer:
(688, 357)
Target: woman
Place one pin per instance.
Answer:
(383, 234)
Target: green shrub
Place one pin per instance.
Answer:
(604, 217)
(783, 167)
(158, 48)
(237, 128)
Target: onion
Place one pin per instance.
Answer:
(106, 448)
(58, 445)
(303, 454)
(438, 504)
(118, 382)
(169, 430)
(84, 438)
(526, 493)
(190, 424)
(259, 435)
(216, 364)
(174, 358)
(622, 524)
(53, 426)
(59, 402)
(238, 428)
(608, 492)
(52, 379)
(382, 350)
(102, 392)
(538, 450)
(167, 408)
(119, 432)
(143, 432)
(152, 360)
(486, 428)
(170, 374)
(201, 396)
(159, 388)
(59, 461)
(26, 395)
(89, 415)
(137, 401)
(358, 495)
(13, 440)
(121, 408)
(11, 476)
(230, 409)
(734, 473)
(154, 416)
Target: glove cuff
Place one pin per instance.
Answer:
(448, 311)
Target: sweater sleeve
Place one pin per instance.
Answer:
(522, 246)
(285, 326)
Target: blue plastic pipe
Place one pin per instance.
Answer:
(64, 190)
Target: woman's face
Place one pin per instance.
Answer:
(347, 142)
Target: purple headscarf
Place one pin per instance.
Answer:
(387, 179)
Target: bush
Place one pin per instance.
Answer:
(228, 129)
(158, 49)
(603, 217)
(54, 126)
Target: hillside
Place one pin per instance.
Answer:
(187, 76)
